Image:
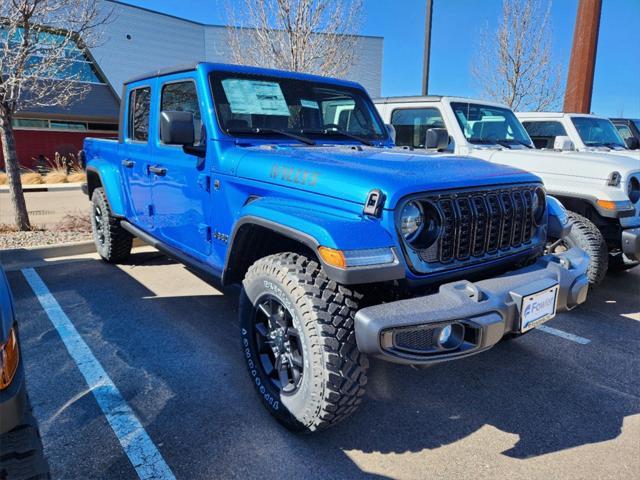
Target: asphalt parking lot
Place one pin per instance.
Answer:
(561, 403)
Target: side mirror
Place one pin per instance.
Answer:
(436, 138)
(563, 143)
(632, 143)
(176, 128)
(392, 132)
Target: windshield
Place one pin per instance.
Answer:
(597, 132)
(484, 124)
(276, 106)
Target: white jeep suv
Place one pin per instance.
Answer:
(600, 190)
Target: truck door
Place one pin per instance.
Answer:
(136, 155)
(181, 185)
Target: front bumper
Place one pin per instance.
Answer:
(13, 402)
(631, 243)
(488, 309)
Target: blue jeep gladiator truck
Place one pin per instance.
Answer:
(344, 246)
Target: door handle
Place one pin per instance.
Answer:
(160, 171)
(128, 163)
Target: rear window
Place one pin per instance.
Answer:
(139, 108)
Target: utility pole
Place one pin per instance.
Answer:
(582, 66)
(427, 48)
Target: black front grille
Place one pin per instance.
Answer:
(479, 222)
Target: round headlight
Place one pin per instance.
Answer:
(420, 224)
(633, 189)
(539, 205)
(411, 221)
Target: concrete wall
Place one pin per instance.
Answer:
(158, 41)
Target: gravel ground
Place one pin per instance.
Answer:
(40, 238)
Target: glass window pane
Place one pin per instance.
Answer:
(411, 125)
(183, 97)
(624, 131)
(544, 133)
(68, 125)
(140, 99)
(30, 123)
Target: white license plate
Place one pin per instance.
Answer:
(537, 308)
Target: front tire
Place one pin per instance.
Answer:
(113, 242)
(586, 236)
(299, 343)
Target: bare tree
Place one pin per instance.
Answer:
(313, 36)
(514, 65)
(37, 49)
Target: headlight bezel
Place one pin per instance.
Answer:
(541, 195)
(633, 189)
(430, 226)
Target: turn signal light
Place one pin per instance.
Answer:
(333, 257)
(9, 358)
(611, 205)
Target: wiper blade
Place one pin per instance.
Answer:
(520, 142)
(504, 143)
(259, 131)
(342, 133)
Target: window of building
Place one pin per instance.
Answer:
(139, 107)
(411, 125)
(74, 64)
(183, 97)
(30, 123)
(60, 125)
(544, 133)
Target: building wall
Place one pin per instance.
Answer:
(159, 41)
(30, 144)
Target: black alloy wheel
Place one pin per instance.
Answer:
(279, 344)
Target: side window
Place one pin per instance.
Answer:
(183, 97)
(139, 107)
(624, 131)
(544, 133)
(411, 125)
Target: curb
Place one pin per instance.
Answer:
(43, 187)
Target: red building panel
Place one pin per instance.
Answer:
(30, 144)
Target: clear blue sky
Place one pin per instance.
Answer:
(456, 26)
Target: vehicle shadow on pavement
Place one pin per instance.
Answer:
(177, 361)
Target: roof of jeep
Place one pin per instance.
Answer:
(225, 67)
(545, 115)
(435, 98)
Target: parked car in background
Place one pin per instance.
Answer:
(601, 191)
(21, 455)
(629, 130)
(345, 246)
(576, 131)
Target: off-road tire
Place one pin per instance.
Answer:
(620, 263)
(21, 455)
(335, 372)
(113, 242)
(585, 235)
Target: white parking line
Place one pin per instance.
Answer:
(565, 335)
(142, 452)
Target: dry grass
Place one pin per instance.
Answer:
(31, 178)
(75, 177)
(55, 176)
(74, 223)
(4, 179)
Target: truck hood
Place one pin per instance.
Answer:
(350, 173)
(574, 164)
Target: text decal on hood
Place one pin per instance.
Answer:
(294, 175)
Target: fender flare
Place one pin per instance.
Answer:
(288, 220)
(110, 180)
